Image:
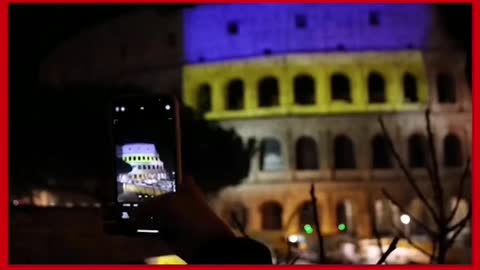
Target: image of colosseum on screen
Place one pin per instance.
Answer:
(146, 176)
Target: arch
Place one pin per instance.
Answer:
(271, 155)
(306, 215)
(340, 87)
(383, 217)
(237, 215)
(344, 153)
(417, 210)
(204, 98)
(376, 88)
(410, 88)
(381, 157)
(235, 95)
(417, 151)
(271, 215)
(452, 151)
(268, 92)
(304, 90)
(344, 215)
(446, 88)
(306, 154)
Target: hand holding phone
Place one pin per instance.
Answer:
(145, 135)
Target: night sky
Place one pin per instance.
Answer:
(35, 30)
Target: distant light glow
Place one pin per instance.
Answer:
(117, 109)
(405, 219)
(342, 227)
(167, 107)
(308, 228)
(293, 238)
(142, 108)
(15, 202)
(147, 231)
(122, 109)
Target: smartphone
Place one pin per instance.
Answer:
(146, 158)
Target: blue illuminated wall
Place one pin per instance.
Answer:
(222, 32)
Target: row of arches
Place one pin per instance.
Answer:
(304, 86)
(307, 156)
(386, 215)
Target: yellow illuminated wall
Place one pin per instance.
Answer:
(357, 66)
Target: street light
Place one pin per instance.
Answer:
(405, 219)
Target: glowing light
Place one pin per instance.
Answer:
(308, 228)
(293, 239)
(167, 107)
(405, 219)
(342, 227)
(166, 260)
(122, 109)
(15, 202)
(147, 231)
(142, 108)
(117, 109)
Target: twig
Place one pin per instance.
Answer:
(408, 175)
(374, 225)
(435, 178)
(391, 248)
(294, 259)
(461, 183)
(317, 224)
(239, 225)
(403, 210)
(460, 227)
(410, 241)
(434, 251)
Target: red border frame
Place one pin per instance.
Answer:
(4, 145)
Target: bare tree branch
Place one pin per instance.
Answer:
(435, 178)
(434, 252)
(465, 174)
(403, 210)
(239, 225)
(317, 224)
(294, 259)
(390, 249)
(451, 241)
(373, 222)
(411, 180)
(410, 241)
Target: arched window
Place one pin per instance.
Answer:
(235, 95)
(271, 216)
(376, 88)
(452, 151)
(238, 216)
(268, 92)
(417, 151)
(304, 89)
(410, 88)
(344, 215)
(446, 88)
(344, 153)
(340, 87)
(381, 158)
(271, 155)
(306, 215)
(306, 154)
(204, 98)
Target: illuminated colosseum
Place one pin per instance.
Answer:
(309, 82)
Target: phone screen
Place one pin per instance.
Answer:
(146, 150)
